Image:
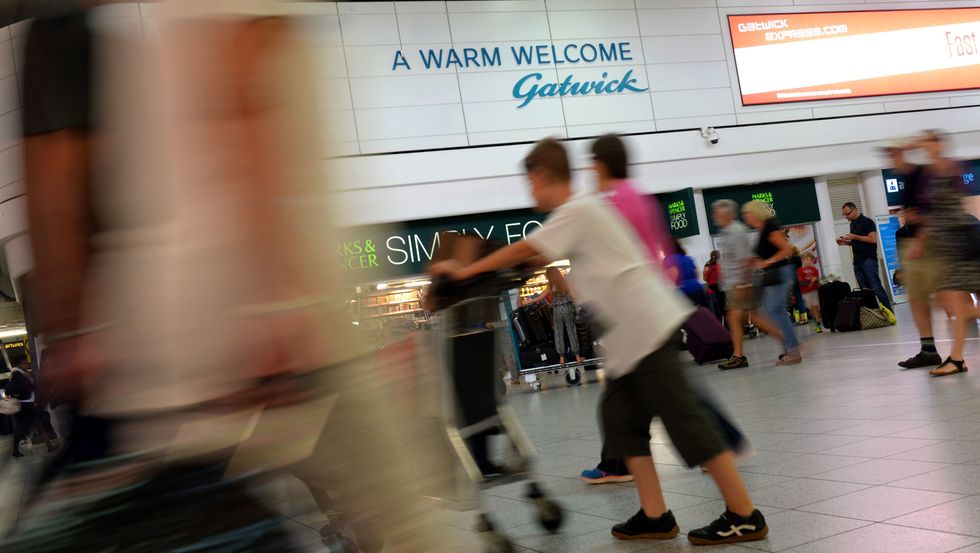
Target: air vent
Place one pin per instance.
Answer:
(843, 190)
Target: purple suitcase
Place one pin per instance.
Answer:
(707, 339)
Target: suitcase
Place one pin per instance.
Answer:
(539, 356)
(867, 298)
(830, 296)
(849, 315)
(707, 339)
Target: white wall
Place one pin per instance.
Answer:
(686, 92)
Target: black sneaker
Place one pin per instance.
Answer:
(735, 362)
(731, 528)
(642, 527)
(922, 359)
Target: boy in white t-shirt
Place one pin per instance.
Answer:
(640, 314)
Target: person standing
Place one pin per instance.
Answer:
(682, 269)
(712, 277)
(21, 388)
(563, 315)
(643, 316)
(863, 240)
(808, 277)
(773, 255)
(736, 277)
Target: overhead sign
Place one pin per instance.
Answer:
(803, 57)
(793, 202)
(895, 184)
(373, 253)
(535, 84)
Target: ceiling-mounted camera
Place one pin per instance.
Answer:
(710, 134)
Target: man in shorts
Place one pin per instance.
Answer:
(736, 276)
(642, 315)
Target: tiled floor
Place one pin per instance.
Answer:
(851, 454)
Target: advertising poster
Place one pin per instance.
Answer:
(888, 225)
(831, 55)
(804, 239)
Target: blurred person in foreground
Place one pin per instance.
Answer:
(199, 230)
(642, 315)
(948, 230)
(736, 277)
(644, 217)
(918, 275)
(773, 254)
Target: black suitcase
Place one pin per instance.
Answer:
(830, 295)
(866, 297)
(539, 356)
(849, 315)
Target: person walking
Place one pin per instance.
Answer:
(954, 236)
(736, 277)
(644, 215)
(863, 240)
(643, 316)
(918, 275)
(773, 253)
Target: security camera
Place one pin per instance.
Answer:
(710, 134)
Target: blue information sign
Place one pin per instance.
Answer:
(888, 225)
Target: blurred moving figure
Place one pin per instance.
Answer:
(918, 275)
(190, 216)
(772, 258)
(736, 276)
(954, 235)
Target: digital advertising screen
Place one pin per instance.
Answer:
(805, 57)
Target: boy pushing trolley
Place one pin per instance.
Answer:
(641, 316)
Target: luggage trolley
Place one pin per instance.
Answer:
(475, 407)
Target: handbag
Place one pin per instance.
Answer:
(873, 318)
(892, 319)
(9, 406)
(771, 276)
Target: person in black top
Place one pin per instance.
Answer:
(773, 255)
(863, 240)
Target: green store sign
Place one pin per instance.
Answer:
(793, 202)
(378, 252)
(681, 214)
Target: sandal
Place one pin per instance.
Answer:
(949, 367)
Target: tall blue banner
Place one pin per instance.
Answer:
(888, 225)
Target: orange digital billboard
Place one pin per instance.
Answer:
(802, 57)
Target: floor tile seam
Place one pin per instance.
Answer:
(883, 484)
(866, 487)
(865, 525)
(976, 537)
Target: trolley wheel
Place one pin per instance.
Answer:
(336, 543)
(496, 543)
(573, 377)
(550, 515)
(536, 385)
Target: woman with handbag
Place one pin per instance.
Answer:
(773, 260)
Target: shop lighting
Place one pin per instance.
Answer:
(13, 333)
(417, 284)
(382, 286)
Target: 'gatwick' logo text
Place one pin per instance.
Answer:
(529, 87)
